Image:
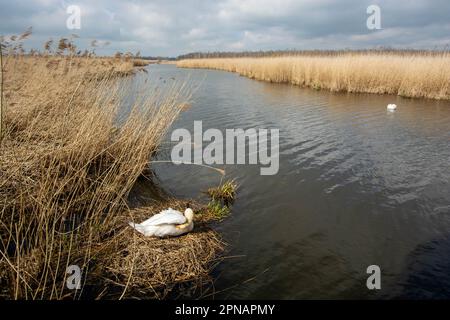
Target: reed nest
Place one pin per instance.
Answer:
(155, 268)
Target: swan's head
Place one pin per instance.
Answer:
(189, 214)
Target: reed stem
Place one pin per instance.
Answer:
(1, 93)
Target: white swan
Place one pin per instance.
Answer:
(391, 107)
(167, 223)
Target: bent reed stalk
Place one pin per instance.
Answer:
(66, 169)
(408, 75)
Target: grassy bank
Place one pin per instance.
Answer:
(66, 170)
(409, 75)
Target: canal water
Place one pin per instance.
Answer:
(357, 186)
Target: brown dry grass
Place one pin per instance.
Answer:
(415, 75)
(66, 169)
(141, 62)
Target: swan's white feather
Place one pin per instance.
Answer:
(166, 223)
(168, 216)
(164, 230)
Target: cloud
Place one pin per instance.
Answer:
(169, 27)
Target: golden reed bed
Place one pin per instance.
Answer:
(415, 76)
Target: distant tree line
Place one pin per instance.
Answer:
(159, 58)
(294, 52)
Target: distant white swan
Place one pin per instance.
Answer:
(167, 223)
(391, 107)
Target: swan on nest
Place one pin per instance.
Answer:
(167, 223)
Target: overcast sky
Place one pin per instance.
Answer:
(170, 28)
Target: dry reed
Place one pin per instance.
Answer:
(66, 169)
(414, 75)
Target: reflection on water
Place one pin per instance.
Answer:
(357, 186)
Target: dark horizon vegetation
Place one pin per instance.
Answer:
(14, 45)
(311, 52)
